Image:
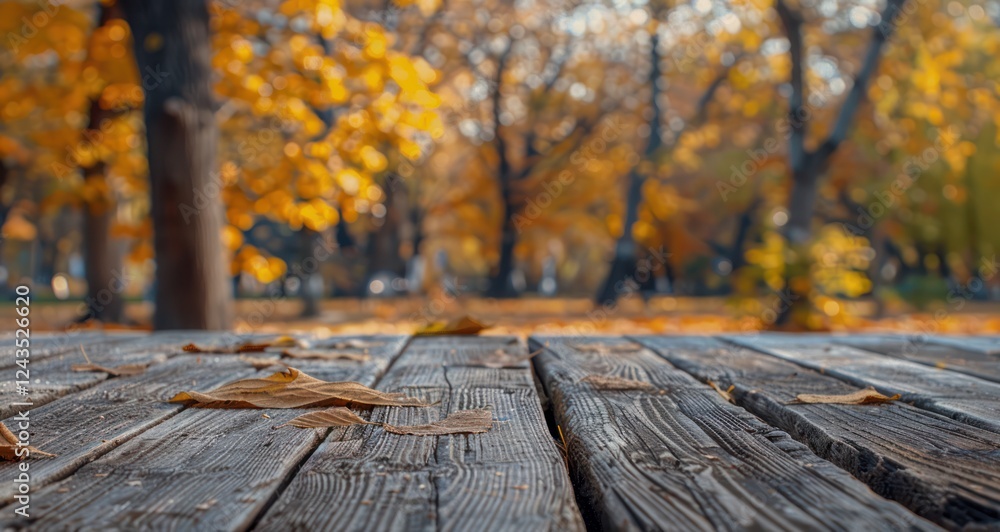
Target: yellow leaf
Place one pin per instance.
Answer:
(462, 326)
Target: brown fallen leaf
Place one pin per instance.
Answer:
(606, 348)
(462, 326)
(726, 394)
(318, 354)
(117, 371)
(868, 396)
(9, 448)
(500, 359)
(604, 382)
(353, 343)
(461, 422)
(226, 349)
(331, 417)
(292, 389)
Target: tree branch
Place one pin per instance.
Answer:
(792, 22)
(880, 34)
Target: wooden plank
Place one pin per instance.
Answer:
(967, 399)
(987, 345)
(941, 469)
(84, 426)
(677, 456)
(199, 469)
(922, 351)
(52, 377)
(52, 345)
(510, 478)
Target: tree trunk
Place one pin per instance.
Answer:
(807, 167)
(624, 262)
(101, 258)
(311, 282)
(173, 51)
(385, 241)
(103, 263)
(500, 279)
(501, 284)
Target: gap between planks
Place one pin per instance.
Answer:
(190, 446)
(676, 455)
(941, 469)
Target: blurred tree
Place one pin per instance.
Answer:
(173, 48)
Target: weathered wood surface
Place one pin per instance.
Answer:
(52, 377)
(55, 344)
(942, 469)
(201, 469)
(678, 456)
(510, 478)
(922, 351)
(987, 345)
(962, 397)
(82, 427)
(674, 456)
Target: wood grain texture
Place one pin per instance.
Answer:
(52, 376)
(200, 469)
(678, 456)
(54, 344)
(510, 478)
(940, 468)
(84, 426)
(962, 397)
(922, 351)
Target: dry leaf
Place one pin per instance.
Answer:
(117, 371)
(331, 417)
(292, 389)
(287, 341)
(868, 396)
(461, 422)
(324, 355)
(353, 343)
(461, 326)
(606, 348)
(246, 347)
(500, 359)
(603, 382)
(726, 394)
(9, 447)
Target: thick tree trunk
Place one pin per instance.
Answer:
(173, 51)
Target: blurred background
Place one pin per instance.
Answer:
(546, 165)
